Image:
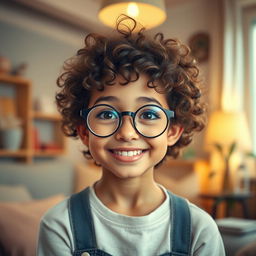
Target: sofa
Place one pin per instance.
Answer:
(27, 191)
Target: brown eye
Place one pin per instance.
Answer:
(149, 115)
(107, 114)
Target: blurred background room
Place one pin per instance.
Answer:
(39, 166)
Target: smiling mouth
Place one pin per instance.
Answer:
(126, 152)
(128, 155)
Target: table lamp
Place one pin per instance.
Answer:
(228, 132)
(149, 13)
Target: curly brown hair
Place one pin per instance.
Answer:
(129, 53)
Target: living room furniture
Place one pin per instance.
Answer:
(16, 99)
(27, 191)
(239, 236)
(235, 243)
(229, 199)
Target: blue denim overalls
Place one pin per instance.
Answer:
(84, 233)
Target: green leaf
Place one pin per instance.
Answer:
(251, 154)
(219, 148)
(231, 149)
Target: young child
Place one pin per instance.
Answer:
(132, 100)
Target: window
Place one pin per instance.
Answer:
(253, 79)
(249, 28)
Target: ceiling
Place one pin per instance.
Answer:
(80, 13)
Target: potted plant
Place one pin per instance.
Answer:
(227, 185)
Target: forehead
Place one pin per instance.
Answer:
(132, 95)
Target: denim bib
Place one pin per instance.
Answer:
(84, 234)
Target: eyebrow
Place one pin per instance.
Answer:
(115, 99)
(106, 98)
(148, 100)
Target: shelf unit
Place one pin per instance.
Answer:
(23, 107)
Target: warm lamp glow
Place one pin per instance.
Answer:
(228, 127)
(133, 10)
(202, 168)
(149, 13)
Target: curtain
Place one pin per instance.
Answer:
(237, 92)
(233, 59)
(228, 72)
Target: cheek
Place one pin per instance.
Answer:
(159, 145)
(96, 146)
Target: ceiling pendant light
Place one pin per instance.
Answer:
(149, 13)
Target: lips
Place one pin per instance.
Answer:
(127, 155)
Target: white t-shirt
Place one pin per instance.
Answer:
(121, 235)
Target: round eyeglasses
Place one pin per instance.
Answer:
(149, 120)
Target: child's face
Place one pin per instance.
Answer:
(126, 153)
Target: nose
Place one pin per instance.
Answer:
(126, 130)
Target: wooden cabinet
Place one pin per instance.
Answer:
(21, 104)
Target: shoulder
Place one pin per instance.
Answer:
(55, 231)
(206, 237)
(201, 219)
(57, 212)
(56, 220)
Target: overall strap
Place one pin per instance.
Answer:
(81, 220)
(180, 226)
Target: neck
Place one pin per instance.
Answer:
(130, 196)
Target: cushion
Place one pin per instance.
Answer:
(14, 193)
(247, 250)
(19, 225)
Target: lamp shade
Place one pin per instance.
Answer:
(149, 13)
(228, 127)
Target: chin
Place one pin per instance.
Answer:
(128, 172)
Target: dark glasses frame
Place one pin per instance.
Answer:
(85, 112)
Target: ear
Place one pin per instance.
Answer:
(174, 134)
(83, 134)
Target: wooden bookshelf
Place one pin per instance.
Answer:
(22, 105)
(46, 116)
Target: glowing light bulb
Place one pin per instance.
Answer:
(132, 10)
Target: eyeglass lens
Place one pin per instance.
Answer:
(149, 121)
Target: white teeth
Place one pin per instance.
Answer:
(128, 153)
